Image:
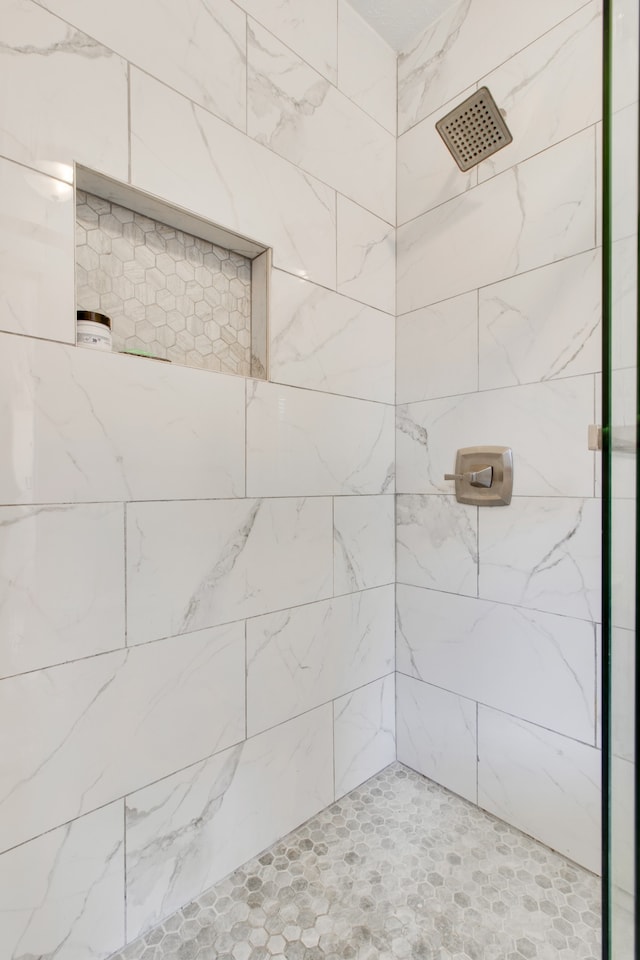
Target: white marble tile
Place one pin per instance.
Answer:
(599, 184)
(623, 413)
(624, 173)
(36, 254)
(364, 542)
(366, 256)
(545, 784)
(298, 659)
(543, 423)
(543, 553)
(302, 443)
(301, 116)
(194, 564)
(86, 425)
(364, 733)
(537, 212)
(63, 96)
(427, 173)
(624, 61)
(61, 584)
(437, 350)
(192, 829)
(623, 806)
(77, 736)
(542, 325)
(307, 26)
(197, 48)
(366, 67)
(501, 656)
(224, 176)
(468, 41)
(324, 341)
(436, 735)
(623, 673)
(624, 303)
(550, 90)
(437, 543)
(624, 579)
(62, 895)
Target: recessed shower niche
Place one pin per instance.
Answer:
(175, 286)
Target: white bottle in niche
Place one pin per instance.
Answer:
(93, 330)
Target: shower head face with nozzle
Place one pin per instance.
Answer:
(474, 130)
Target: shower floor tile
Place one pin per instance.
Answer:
(399, 868)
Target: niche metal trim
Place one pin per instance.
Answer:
(474, 130)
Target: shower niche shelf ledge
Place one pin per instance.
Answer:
(176, 286)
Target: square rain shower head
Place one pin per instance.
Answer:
(474, 129)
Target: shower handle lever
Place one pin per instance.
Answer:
(481, 477)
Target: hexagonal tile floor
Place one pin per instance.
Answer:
(399, 868)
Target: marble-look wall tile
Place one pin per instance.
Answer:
(198, 49)
(537, 212)
(550, 90)
(366, 256)
(623, 825)
(437, 350)
(307, 26)
(83, 114)
(624, 168)
(364, 733)
(36, 242)
(623, 683)
(61, 584)
(301, 116)
(193, 564)
(427, 173)
(542, 783)
(623, 561)
(302, 443)
(468, 41)
(62, 894)
(624, 302)
(624, 64)
(77, 736)
(366, 67)
(543, 553)
(83, 425)
(437, 543)
(323, 341)
(542, 325)
(364, 542)
(501, 656)
(195, 827)
(298, 659)
(436, 735)
(543, 423)
(225, 177)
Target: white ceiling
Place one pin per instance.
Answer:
(399, 21)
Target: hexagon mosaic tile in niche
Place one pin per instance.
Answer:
(399, 868)
(168, 294)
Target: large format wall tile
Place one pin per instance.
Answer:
(367, 67)
(307, 26)
(61, 584)
(543, 423)
(225, 177)
(302, 443)
(77, 736)
(176, 44)
(80, 424)
(192, 829)
(468, 41)
(436, 735)
(537, 212)
(502, 656)
(63, 96)
(62, 895)
(194, 564)
(437, 543)
(364, 542)
(304, 118)
(301, 658)
(543, 783)
(543, 553)
(366, 256)
(364, 733)
(541, 325)
(323, 341)
(36, 268)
